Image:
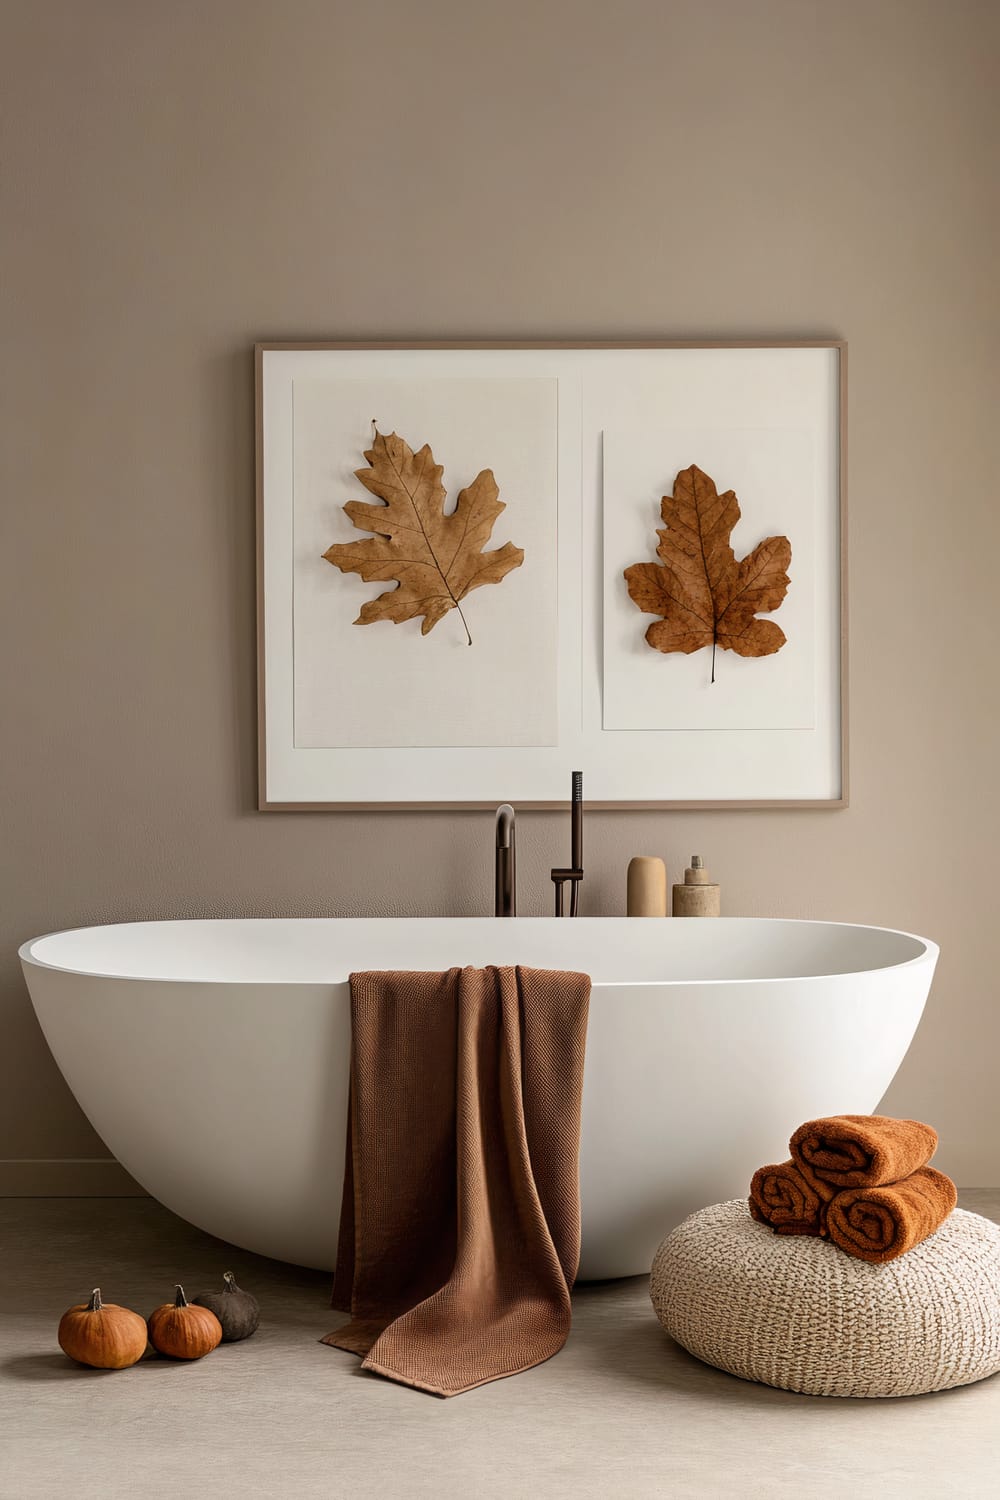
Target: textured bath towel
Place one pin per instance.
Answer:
(881, 1223)
(790, 1199)
(862, 1150)
(460, 1222)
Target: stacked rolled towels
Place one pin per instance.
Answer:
(861, 1180)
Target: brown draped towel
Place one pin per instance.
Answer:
(789, 1198)
(460, 1223)
(862, 1150)
(880, 1223)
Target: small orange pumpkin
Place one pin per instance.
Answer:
(183, 1330)
(102, 1334)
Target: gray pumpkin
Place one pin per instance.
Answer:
(237, 1311)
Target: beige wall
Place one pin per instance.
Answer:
(183, 178)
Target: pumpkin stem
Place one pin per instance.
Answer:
(95, 1304)
(230, 1281)
(180, 1300)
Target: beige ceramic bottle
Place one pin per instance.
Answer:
(647, 887)
(698, 896)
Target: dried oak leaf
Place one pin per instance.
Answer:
(436, 559)
(704, 596)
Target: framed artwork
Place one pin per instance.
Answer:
(480, 567)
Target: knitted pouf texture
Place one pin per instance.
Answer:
(798, 1313)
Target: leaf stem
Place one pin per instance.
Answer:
(459, 608)
(713, 658)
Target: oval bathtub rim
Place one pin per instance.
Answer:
(930, 954)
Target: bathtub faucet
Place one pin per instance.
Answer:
(505, 891)
(574, 874)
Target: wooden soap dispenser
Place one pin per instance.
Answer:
(698, 896)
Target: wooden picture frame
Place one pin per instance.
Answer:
(321, 777)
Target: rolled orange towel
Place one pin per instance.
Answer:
(862, 1151)
(789, 1199)
(881, 1223)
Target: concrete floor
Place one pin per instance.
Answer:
(622, 1412)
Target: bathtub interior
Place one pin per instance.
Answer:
(612, 950)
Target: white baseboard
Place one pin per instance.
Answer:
(80, 1177)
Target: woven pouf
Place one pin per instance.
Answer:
(799, 1313)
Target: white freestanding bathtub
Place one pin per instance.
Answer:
(212, 1057)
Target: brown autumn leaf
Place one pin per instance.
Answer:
(436, 559)
(703, 595)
